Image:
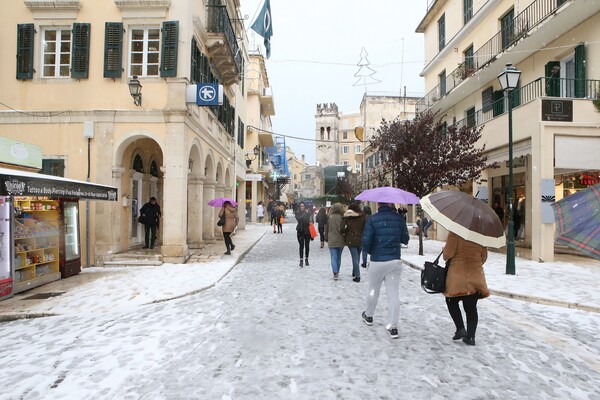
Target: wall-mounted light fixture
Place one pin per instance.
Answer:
(135, 89)
(252, 156)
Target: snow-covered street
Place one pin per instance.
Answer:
(273, 330)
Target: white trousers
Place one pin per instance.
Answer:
(388, 272)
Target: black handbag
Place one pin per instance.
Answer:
(221, 220)
(141, 219)
(433, 276)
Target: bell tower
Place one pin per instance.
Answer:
(327, 134)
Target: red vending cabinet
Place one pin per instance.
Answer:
(70, 250)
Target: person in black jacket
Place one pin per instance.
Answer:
(303, 232)
(150, 213)
(322, 222)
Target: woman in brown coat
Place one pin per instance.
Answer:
(231, 221)
(466, 282)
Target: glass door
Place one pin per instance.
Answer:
(6, 277)
(71, 224)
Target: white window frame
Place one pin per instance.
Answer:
(357, 167)
(145, 52)
(567, 89)
(346, 163)
(345, 149)
(357, 148)
(57, 53)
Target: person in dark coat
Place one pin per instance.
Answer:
(368, 212)
(354, 224)
(271, 210)
(465, 282)
(303, 232)
(383, 234)
(231, 221)
(322, 223)
(150, 213)
(279, 215)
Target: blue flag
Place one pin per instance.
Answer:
(264, 27)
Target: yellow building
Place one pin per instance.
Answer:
(555, 125)
(69, 91)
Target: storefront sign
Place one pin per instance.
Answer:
(18, 183)
(557, 110)
(17, 153)
(253, 177)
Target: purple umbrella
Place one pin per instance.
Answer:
(219, 201)
(388, 194)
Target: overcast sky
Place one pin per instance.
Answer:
(315, 49)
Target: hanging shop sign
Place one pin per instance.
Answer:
(18, 153)
(20, 183)
(557, 110)
(204, 94)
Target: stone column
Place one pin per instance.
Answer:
(241, 196)
(208, 212)
(195, 207)
(540, 166)
(255, 200)
(219, 192)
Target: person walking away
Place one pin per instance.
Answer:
(383, 234)
(303, 232)
(231, 221)
(260, 211)
(499, 212)
(279, 214)
(322, 223)
(335, 237)
(272, 211)
(151, 214)
(465, 282)
(368, 212)
(426, 224)
(354, 224)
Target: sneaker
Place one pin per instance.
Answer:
(322, 244)
(393, 333)
(368, 320)
(335, 276)
(301, 265)
(306, 262)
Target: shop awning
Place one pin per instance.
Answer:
(22, 183)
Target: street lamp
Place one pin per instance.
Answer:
(252, 156)
(509, 80)
(135, 89)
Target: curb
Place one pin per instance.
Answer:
(530, 299)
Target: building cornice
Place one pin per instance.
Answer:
(52, 4)
(127, 4)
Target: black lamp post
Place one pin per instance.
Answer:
(135, 89)
(509, 80)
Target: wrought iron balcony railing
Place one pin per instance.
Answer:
(219, 22)
(541, 87)
(530, 17)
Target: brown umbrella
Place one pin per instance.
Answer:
(466, 216)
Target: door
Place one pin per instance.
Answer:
(6, 276)
(136, 204)
(70, 251)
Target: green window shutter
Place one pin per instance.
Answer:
(580, 71)
(498, 105)
(113, 49)
(516, 96)
(168, 54)
(552, 73)
(25, 34)
(80, 54)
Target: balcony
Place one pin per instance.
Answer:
(542, 87)
(528, 32)
(266, 101)
(222, 44)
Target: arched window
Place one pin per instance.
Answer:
(328, 133)
(322, 133)
(154, 169)
(138, 165)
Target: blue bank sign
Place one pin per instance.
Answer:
(204, 94)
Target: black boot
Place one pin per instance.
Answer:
(459, 334)
(469, 340)
(301, 265)
(306, 262)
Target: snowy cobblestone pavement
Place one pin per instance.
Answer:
(272, 330)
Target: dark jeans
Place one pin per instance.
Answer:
(228, 241)
(470, 306)
(304, 244)
(355, 253)
(322, 233)
(150, 235)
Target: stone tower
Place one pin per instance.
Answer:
(327, 134)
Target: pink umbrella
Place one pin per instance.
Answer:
(388, 194)
(219, 201)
